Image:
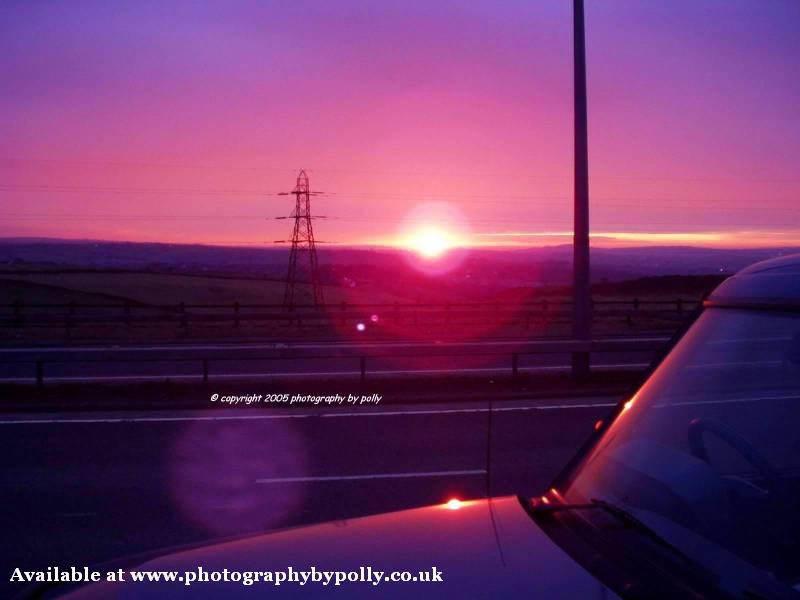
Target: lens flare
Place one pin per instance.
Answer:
(214, 467)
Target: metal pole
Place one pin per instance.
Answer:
(581, 306)
(39, 373)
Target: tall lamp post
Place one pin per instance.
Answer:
(581, 291)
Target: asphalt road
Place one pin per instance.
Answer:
(86, 488)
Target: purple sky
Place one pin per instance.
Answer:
(181, 121)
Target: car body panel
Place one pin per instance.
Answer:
(774, 282)
(461, 543)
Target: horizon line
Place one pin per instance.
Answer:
(388, 245)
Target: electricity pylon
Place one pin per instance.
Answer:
(303, 253)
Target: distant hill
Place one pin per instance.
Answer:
(479, 270)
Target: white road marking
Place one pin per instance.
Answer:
(98, 420)
(389, 413)
(272, 480)
(373, 413)
(402, 413)
(382, 413)
(563, 406)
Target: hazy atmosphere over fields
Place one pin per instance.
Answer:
(180, 122)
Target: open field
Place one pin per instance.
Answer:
(163, 288)
(141, 306)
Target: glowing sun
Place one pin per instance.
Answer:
(434, 236)
(430, 242)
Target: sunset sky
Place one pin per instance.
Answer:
(180, 122)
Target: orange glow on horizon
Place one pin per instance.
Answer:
(431, 237)
(512, 240)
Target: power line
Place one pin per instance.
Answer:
(377, 216)
(468, 199)
(439, 172)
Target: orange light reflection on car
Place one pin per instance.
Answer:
(627, 406)
(454, 504)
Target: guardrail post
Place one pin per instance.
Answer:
(70, 315)
(18, 313)
(362, 360)
(236, 314)
(39, 373)
(205, 371)
(514, 365)
(581, 365)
